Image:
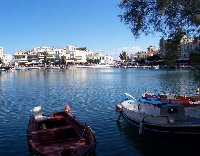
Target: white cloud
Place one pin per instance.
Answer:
(115, 52)
(130, 49)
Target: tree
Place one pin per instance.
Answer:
(82, 48)
(165, 16)
(97, 61)
(124, 56)
(154, 58)
(162, 45)
(1, 61)
(140, 60)
(63, 59)
(89, 60)
(45, 53)
(195, 58)
(172, 47)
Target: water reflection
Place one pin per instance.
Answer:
(182, 81)
(153, 146)
(92, 95)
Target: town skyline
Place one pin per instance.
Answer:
(95, 25)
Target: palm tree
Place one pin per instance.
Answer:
(1, 61)
(63, 59)
(124, 56)
(45, 53)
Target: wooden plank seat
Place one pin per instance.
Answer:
(56, 135)
(52, 123)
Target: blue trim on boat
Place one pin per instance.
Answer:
(157, 101)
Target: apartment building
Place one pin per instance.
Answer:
(104, 59)
(1, 52)
(187, 46)
(71, 53)
(75, 55)
(7, 59)
(21, 58)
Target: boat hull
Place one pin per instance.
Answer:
(60, 135)
(165, 131)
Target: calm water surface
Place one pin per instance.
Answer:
(92, 95)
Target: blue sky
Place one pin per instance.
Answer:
(94, 24)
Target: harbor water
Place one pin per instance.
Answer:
(92, 95)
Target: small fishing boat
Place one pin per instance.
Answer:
(59, 134)
(159, 117)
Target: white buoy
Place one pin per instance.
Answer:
(118, 107)
(141, 127)
(119, 114)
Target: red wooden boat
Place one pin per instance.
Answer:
(187, 101)
(59, 135)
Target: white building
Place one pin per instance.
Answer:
(53, 53)
(104, 59)
(21, 58)
(107, 60)
(75, 55)
(71, 53)
(1, 52)
(7, 59)
(187, 46)
(41, 49)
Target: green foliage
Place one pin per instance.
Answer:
(50, 60)
(82, 48)
(89, 60)
(140, 60)
(165, 16)
(63, 60)
(162, 45)
(45, 57)
(171, 47)
(195, 58)
(95, 61)
(124, 56)
(171, 52)
(154, 58)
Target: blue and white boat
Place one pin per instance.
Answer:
(151, 115)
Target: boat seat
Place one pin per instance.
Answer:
(53, 123)
(56, 135)
(63, 134)
(46, 137)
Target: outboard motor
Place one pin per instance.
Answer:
(38, 114)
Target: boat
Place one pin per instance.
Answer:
(158, 117)
(59, 134)
(191, 103)
(94, 66)
(185, 100)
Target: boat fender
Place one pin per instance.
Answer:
(141, 127)
(170, 120)
(118, 108)
(139, 107)
(67, 108)
(198, 90)
(119, 116)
